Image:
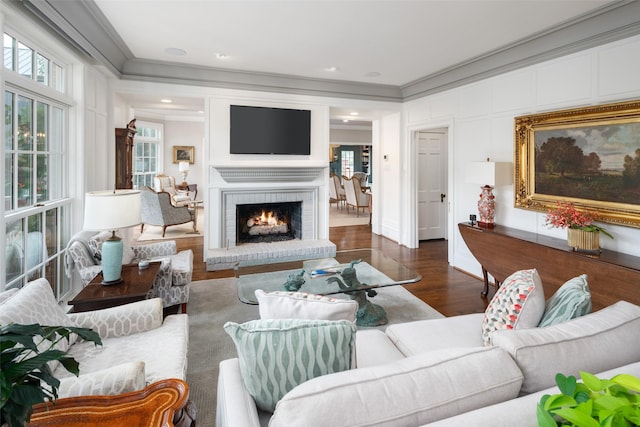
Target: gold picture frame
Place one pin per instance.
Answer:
(182, 153)
(589, 156)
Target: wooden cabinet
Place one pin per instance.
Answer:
(612, 276)
(124, 155)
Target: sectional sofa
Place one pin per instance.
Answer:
(442, 372)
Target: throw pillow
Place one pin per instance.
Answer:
(303, 305)
(572, 300)
(518, 303)
(35, 303)
(276, 355)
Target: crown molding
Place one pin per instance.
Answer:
(85, 28)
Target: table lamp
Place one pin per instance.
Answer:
(111, 210)
(489, 174)
(183, 167)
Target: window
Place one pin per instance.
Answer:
(347, 163)
(36, 207)
(146, 153)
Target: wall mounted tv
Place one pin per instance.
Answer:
(263, 130)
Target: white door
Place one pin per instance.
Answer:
(432, 185)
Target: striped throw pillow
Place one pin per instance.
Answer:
(276, 355)
(572, 300)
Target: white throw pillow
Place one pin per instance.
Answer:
(106, 382)
(518, 303)
(302, 305)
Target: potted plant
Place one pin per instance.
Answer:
(593, 403)
(582, 233)
(25, 376)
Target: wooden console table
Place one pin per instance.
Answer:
(612, 276)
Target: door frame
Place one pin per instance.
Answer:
(411, 183)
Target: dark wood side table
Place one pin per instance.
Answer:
(189, 188)
(135, 286)
(612, 276)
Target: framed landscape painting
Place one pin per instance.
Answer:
(588, 156)
(182, 153)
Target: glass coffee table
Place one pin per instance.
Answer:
(355, 273)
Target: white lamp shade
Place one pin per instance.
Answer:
(111, 209)
(489, 173)
(183, 166)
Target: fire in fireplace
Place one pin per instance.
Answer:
(268, 222)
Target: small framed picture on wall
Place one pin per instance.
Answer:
(183, 153)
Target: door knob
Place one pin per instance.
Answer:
(442, 196)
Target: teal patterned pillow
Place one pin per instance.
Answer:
(278, 354)
(518, 303)
(572, 300)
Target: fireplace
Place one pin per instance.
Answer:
(268, 222)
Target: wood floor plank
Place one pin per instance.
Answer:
(444, 288)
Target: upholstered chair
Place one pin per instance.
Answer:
(356, 198)
(158, 210)
(172, 281)
(362, 177)
(338, 189)
(167, 184)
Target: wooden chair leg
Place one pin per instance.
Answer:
(164, 228)
(183, 308)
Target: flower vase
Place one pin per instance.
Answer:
(486, 207)
(581, 240)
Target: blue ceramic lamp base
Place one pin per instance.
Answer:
(112, 260)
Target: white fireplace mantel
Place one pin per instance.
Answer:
(234, 174)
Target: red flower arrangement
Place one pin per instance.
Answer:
(565, 215)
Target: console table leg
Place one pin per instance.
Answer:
(485, 275)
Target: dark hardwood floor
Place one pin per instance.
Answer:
(444, 288)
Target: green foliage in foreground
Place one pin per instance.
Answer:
(25, 376)
(593, 403)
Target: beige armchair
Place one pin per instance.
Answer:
(167, 184)
(356, 198)
(336, 191)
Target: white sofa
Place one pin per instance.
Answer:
(438, 372)
(138, 348)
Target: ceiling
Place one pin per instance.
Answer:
(395, 48)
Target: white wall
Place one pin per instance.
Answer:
(185, 133)
(481, 124)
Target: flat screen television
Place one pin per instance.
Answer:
(264, 130)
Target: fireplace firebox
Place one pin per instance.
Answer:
(268, 222)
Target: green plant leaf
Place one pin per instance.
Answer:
(567, 385)
(628, 381)
(582, 396)
(577, 417)
(558, 401)
(591, 381)
(70, 365)
(545, 419)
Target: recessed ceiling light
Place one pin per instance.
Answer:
(345, 120)
(373, 74)
(175, 51)
(332, 69)
(222, 56)
(353, 113)
(166, 101)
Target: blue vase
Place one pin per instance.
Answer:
(112, 261)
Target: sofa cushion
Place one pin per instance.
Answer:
(107, 382)
(572, 300)
(412, 391)
(303, 305)
(35, 303)
(422, 336)
(595, 342)
(278, 354)
(162, 349)
(518, 303)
